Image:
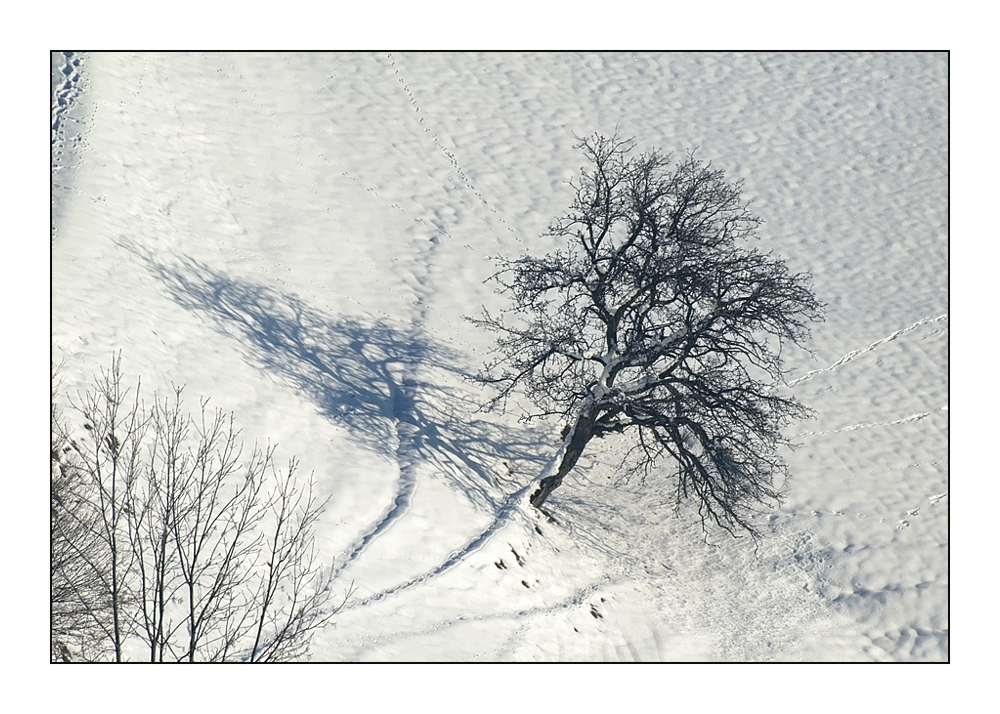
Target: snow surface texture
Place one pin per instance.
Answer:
(298, 237)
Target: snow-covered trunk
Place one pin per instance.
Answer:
(576, 441)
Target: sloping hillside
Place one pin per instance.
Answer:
(298, 237)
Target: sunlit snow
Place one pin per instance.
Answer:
(298, 237)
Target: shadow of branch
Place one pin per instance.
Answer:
(397, 391)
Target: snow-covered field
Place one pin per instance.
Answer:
(298, 236)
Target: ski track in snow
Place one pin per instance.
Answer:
(399, 506)
(508, 510)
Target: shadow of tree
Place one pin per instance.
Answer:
(397, 391)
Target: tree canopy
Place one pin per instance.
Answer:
(657, 320)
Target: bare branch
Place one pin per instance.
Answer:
(168, 538)
(657, 319)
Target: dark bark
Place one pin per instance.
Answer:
(657, 320)
(157, 535)
(583, 431)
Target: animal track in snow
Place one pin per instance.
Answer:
(868, 425)
(435, 224)
(452, 158)
(904, 522)
(856, 353)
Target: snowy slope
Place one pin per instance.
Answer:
(299, 236)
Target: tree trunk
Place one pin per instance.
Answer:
(582, 432)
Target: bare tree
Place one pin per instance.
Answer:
(195, 550)
(80, 612)
(98, 474)
(657, 321)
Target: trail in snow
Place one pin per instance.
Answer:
(363, 376)
(401, 377)
(869, 425)
(350, 371)
(504, 515)
(512, 505)
(67, 133)
(257, 134)
(64, 92)
(462, 174)
(413, 430)
(505, 651)
(856, 353)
